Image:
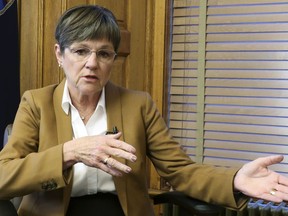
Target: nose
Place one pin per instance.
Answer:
(92, 60)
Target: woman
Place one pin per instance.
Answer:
(62, 159)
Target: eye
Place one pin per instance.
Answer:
(81, 51)
(104, 54)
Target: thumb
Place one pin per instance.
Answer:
(269, 160)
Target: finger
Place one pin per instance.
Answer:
(281, 188)
(113, 163)
(110, 170)
(283, 180)
(276, 159)
(121, 145)
(276, 195)
(121, 154)
(118, 148)
(105, 161)
(270, 160)
(281, 195)
(270, 197)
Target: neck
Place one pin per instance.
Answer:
(85, 108)
(86, 115)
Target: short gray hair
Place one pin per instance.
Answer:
(87, 22)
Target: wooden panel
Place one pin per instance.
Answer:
(136, 63)
(51, 73)
(30, 64)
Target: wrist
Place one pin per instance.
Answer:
(69, 158)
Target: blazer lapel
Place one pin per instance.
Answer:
(64, 133)
(63, 121)
(113, 107)
(114, 118)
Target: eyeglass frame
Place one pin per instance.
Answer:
(82, 58)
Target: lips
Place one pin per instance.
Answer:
(90, 77)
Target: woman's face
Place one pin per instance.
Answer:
(87, 65)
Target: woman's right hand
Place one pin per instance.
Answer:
(101, 152)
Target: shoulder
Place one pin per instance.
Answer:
(132, 101)
(128, 94)
(40, 96)
(41, 91)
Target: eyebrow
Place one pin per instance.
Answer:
(104, 46)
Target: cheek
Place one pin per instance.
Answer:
(106, 71)
(71, 68)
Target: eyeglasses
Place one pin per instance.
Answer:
(103, 55)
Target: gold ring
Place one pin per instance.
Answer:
(106, 160)
(273, 191)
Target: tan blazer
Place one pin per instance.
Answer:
(31, 162)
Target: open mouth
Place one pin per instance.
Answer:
(90, 77)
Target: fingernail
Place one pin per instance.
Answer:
(128, 170)
(133, 158)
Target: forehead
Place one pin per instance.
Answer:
(94, 44)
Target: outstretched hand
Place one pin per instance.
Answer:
(256, 180)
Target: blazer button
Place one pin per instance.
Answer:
(44, 186)
(49, 185)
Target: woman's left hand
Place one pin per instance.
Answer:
(255, 180)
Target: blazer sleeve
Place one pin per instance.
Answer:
(26, 164)
(205, 182)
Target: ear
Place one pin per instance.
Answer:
(58, 54)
